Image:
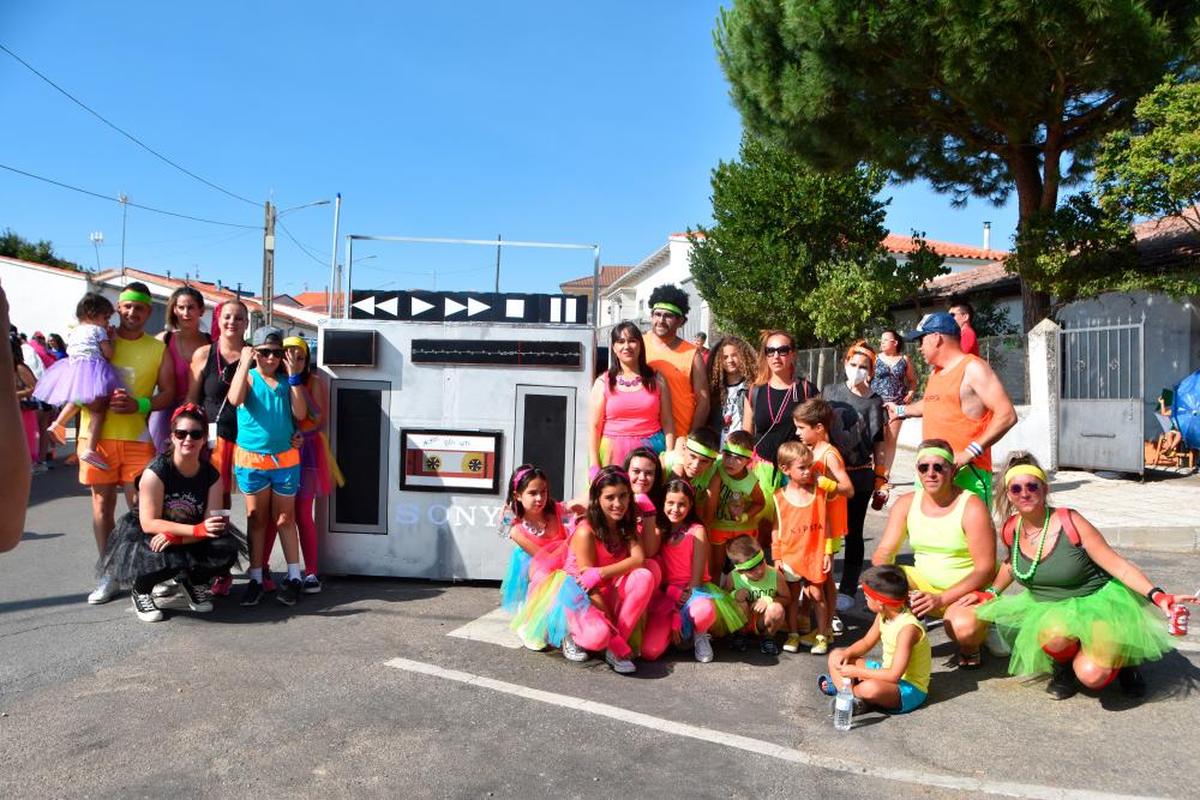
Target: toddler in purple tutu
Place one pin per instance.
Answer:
(85, 377)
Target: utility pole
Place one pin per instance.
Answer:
(334, 278)
(268, 276)
(124, 199)
(497, 263)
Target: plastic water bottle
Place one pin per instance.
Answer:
(843, 707)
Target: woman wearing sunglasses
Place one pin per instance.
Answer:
(265, 463)
(776, 392)
(180, 527)
(954, 549)
(1087, 615)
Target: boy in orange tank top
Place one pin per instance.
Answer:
(801, 545)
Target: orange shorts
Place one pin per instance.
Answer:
(126, 460)
(716, 536)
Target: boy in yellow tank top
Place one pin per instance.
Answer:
(735, 499)
(900, 682)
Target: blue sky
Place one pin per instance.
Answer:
(536, 120)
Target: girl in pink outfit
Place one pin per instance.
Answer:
(630, 404)
(606, 560)
(537, 530)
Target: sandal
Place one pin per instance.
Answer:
(825, 684)
(970, 660)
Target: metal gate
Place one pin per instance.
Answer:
(1101, 421)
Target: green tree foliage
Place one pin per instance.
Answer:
(13, 245)
(979, 98)
(798, 249)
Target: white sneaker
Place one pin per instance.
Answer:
(995, 643)
(572, 651)
(105, 590)
(38, 468)
(164, 589)
(703, 647)
(143, 604)
(621, 666)
(845, 602)
(838, 626)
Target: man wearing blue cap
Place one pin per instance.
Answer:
(963, 402)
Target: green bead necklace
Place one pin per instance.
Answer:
(1024, 577)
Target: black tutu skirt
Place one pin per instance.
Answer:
(128, 555)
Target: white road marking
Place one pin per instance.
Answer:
(491, 628)
(758, 746)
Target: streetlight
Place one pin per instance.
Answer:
(97, 238)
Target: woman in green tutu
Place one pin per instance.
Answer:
(1087, 615)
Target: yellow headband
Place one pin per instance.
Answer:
(940, 452)
(1024, 469)
(296, 341)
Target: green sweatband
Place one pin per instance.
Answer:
(143, 405)
(737, 450)
(750, 563)
(940, 452)
(134, 296)
(700, 449)
(674, 309)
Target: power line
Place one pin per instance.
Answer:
(323, 262)
(124, 132)
(126, 202)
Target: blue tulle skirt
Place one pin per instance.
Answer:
(515, 586)
(544, 617)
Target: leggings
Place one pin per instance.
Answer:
(626, 596)
(863, 480)
(663, 617)
(306, 525)
(29, 419)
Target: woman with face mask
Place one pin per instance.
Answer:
(857, 433)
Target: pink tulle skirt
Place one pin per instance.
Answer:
(77, 380)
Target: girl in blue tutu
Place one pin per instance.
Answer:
(539, 533)
(85, 377)
(1087, 615)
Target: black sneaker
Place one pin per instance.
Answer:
(143, 604)
(768, 646)
(1131, 681)
(1062, 683)
(739, 643)
(252, 593)
(312, 584)
(199, 597)
(290, 591)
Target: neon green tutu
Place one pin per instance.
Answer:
(1113, 624)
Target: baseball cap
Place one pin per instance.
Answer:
(937, 322)
(262, 334)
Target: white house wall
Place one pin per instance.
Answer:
(41, 299)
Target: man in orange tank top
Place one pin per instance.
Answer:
(679, 362)
(963, 403)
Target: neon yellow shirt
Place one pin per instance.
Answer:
(137, 362)
(919, 660)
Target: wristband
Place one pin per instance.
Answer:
(1153, 591)
(900, 411)
(199, 531)
(828, 485)
(589, 578)
(143, 404)
(172, 538)
(295, 380)
(975, 448)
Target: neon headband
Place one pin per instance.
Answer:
(738, 450)
(750, 563)
(663, 306)
(189, 408)
(296, 341)
(134, 296)
(860, 350)
(881, 598)
(1024, 469)
(611, 469)
(940, 452)
(519, 476)
(700, 449)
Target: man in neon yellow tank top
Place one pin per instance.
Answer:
(125, 443)
(679, 362)
(963, 403)
(954, 547)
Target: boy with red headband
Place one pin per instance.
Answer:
(900, 682)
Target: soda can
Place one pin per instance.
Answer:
(1177, 624)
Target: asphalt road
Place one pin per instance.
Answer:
(314, 701)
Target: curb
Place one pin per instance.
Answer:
(1178, 539)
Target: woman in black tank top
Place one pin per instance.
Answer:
(769, 405)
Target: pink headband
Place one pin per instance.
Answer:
(520, 475)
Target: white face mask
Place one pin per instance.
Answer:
(856, 375)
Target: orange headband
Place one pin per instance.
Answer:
(859, 348)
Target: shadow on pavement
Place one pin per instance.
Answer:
(44, 602)
(30, 536)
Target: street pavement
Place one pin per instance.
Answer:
(361, 692)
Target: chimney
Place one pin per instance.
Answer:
(987, 235)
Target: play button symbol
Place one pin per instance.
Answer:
(419, 306)
(453, 307)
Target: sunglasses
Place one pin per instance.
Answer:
(1017, 489)
(663, 315)
(266, 352)
(194, 435)
(781, 350)
(937, 467)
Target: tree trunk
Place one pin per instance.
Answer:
(1035, 306)
(1032, 199)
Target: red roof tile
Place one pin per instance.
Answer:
(897, 243)
(608, 274)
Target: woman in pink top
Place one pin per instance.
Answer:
(183, 337)
(630, 404)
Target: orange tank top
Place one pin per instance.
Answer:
(675, 365)
(800, 542)
(944, 417)
(837, 508)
